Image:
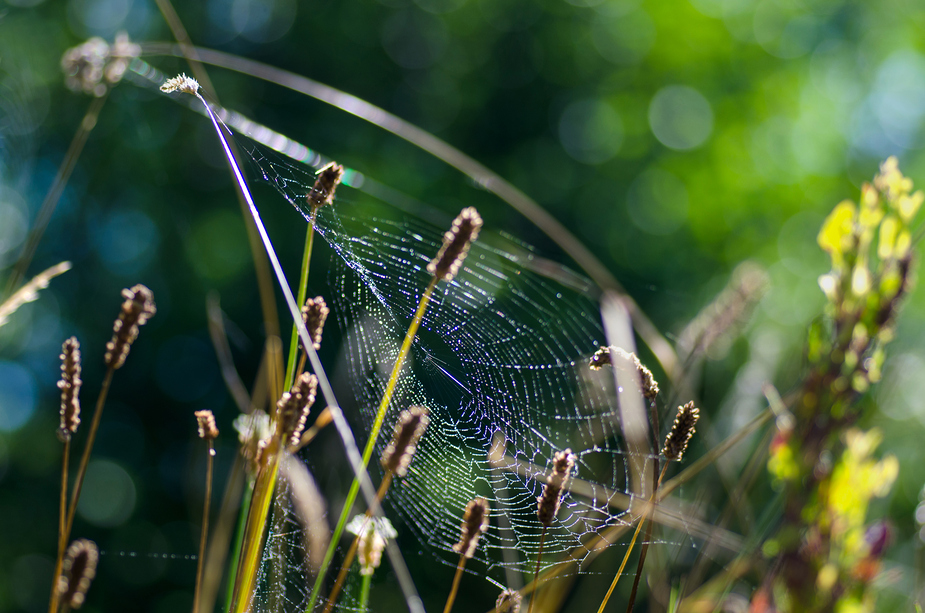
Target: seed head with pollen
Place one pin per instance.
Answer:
(475, 522)
(681, 431)
(548, 504)
(408, 431)
(136, 310)
(70, 388)
(314, 314)
(456, 244)
(79, 570)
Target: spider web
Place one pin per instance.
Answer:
(502, 362)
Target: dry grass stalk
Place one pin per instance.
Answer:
(79, 570)
(137, 308)
(475, 522)
(208, 432)
(395, 459)
(30, 291)
(681, 431)
(456, 244)
(328, 178)
(548, 503)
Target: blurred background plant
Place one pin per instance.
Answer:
(675, 139)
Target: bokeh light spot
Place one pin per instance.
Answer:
(591, 131)
(108, 496)
(126, 241)
(17, 396)
(680, 117)
(657, 202)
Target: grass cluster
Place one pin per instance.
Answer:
(822, 551)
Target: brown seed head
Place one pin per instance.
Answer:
(79, 568)
(328, 178)
(475, 522)
(408, 431)
(314, 314)
(207, 427)
(548, 504)
(70, 388)
(456, 244)
(508, 601)
(136, 310)
(681, 431)
(294, 406)
(625, 360)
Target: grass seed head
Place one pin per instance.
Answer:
(475, 522)
(70, 388)
(681, 431)
(79, 568)
(207, 428)
(614, 356)
(408, 431)
(508, 602)
(548, 504)
(456, 244)
(314, 314)
(294, 406)
(181, 83)
(137, 308)
(328, 178)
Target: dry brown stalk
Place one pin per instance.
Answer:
(208, 432)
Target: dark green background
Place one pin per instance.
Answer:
(565, 99)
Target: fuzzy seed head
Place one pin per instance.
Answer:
(94, 66)
(70, 389)
(314, 314)
(475, 522)
(294, 406)
(681, 431)
(508, 602)
(328, 178)
(181, 83)
(548, 504)
(456, 244)
(614, 356)
(79, 568)
(408, 431)
(137, 308)
(207, 428)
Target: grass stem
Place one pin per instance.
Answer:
(373, 436)
(455, 588)
(205, 527)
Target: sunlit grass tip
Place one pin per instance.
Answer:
(619, 358)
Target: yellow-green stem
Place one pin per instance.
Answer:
(351, 553)
(456, 579)
(373, 435)
(78, 482)
(205, 529)
(253, 534)
(629, 550)
(300, 300)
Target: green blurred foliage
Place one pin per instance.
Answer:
(674, 138)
